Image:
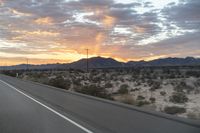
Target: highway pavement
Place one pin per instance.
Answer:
(28, 107)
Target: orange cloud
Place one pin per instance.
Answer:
(43, 33)
(153, 57)
(108, 21)
(62, 50)
(44, 21)
(100, 37)
(37, 33)
(18, 13)
(39, 36)
(139, 29)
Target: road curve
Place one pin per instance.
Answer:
(27, 107)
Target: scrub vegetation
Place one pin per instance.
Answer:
(173, 90)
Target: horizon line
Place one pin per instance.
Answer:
(96, 57)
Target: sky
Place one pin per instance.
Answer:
(60, 31)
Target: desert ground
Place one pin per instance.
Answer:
(173, 90)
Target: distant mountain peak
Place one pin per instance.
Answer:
(96, 62)
(102, 62)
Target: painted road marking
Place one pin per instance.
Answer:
(50, 109)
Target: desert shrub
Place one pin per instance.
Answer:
(43, 80)
(108, 85)
(124, 86)
(9, 73)
(136, 89)
(150, 82)
(94, 90)
(172, 76)
(155, 86)
(137, 83)
(139, 97)
(195, 116)
(174, 110)
(60, 82)
(178, 97)
(197, 83)
(152, 99)
(163, 93)
(77, 82)
(123, 89)
(122, 80)
(182, 86)
(97, 79)
(193, 73)
(154, 76)
(142, 103)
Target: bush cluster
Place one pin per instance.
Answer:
(174, 110)
(60, 82)
(178, 97)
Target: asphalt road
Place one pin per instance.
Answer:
(27, 107)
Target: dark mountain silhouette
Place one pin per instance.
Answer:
(100, 62)
(97, 62)
(188, 61)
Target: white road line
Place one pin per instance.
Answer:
(52, 110)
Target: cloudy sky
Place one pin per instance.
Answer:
(50, 31)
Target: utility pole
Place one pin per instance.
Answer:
(87, 51)
(6, 67)
(26, 64)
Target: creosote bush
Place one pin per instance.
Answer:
(140, 97)
(123, 89)
(152, 99)
(174, 110)
(163, 93)
(94, 90)
(108, 85)
(178, 97)
(142, 103)
(60, 82)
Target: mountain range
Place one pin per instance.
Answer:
(100, 62)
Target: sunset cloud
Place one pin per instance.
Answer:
(18, 13)
(44, 21)
(61, 30)
(108, 21)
